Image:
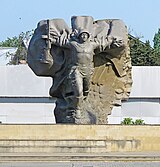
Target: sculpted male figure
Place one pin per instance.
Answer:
(73, 52)
(81, 67)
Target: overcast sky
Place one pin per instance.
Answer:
(142, 17)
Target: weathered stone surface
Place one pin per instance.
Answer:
(89, 63)
(64, 139)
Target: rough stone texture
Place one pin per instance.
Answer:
(90, 74)
(78, 139)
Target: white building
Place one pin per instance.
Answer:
(4, 59)
(24, 97)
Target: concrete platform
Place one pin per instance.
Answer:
(67, 143)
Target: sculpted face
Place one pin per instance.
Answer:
(84, 37)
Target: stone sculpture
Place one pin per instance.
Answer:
(89, 63)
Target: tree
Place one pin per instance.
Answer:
(156, 41)
(142, 54)
(19, 43)
(156, 46)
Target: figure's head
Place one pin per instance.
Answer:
(83, 36)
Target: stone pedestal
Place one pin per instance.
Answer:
(77, 142)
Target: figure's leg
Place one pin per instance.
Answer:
(74, 87)
(87, 73)
(74, 93)
(77, 82)
(86, 85)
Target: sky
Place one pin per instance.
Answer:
(142, 17)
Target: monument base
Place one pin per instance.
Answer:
(78, 142)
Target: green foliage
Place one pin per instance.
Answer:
(156, 46)
(129, 121)
(156, 41)
(10, 42)
(139, 122)
(142, 54)
(18, 42)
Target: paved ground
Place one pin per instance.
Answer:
(81, 164)
(138, 159)
(80, 157)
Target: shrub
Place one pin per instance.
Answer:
(129, 121)
(139, 122)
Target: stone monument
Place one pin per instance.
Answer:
(89, 63)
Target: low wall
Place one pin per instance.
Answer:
(78, 138)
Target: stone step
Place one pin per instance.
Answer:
(68, 157)
(54, 146)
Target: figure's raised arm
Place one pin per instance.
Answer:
(117, 42)
(102, 43)
(61, 40)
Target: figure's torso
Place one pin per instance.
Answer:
(82, 54)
